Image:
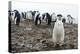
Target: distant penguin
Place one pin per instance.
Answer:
(46, 18)
(58, 32)
(29, 15)
(17, 17)
(64, 20)
(38, 19)
(70, 19)
(35, 15)
(12, 15)
(49, 18)
(53, 17)
(22, 14)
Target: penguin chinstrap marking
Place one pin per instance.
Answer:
(58, 33)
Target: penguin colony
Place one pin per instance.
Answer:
(58, 30)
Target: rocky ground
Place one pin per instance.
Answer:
(30, 38)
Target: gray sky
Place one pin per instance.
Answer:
(63, 9)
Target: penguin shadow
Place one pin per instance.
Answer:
(51, 46)
(58, 47)
(64, 46)
(68, 46)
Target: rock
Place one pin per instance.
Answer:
(29, 46)
(28, 29)
(38, 46)
(28, 37)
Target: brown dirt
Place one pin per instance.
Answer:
(29, 38)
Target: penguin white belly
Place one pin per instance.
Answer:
(38, 22)
(15, 20)
(53, 18)
(58, 33)
(12, 18)
(30, 16)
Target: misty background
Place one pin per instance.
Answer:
(63, 9)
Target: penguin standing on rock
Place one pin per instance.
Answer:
(58, 32)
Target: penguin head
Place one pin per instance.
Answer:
(59, 17)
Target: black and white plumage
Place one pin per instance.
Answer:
(22, 14)
(17, 17)
(37, 19)
(53, 17)
(46, 18)
(29, 15)
(64, 20)
(33, 14)
(12, 15)
(58, 32)
(70, 19)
